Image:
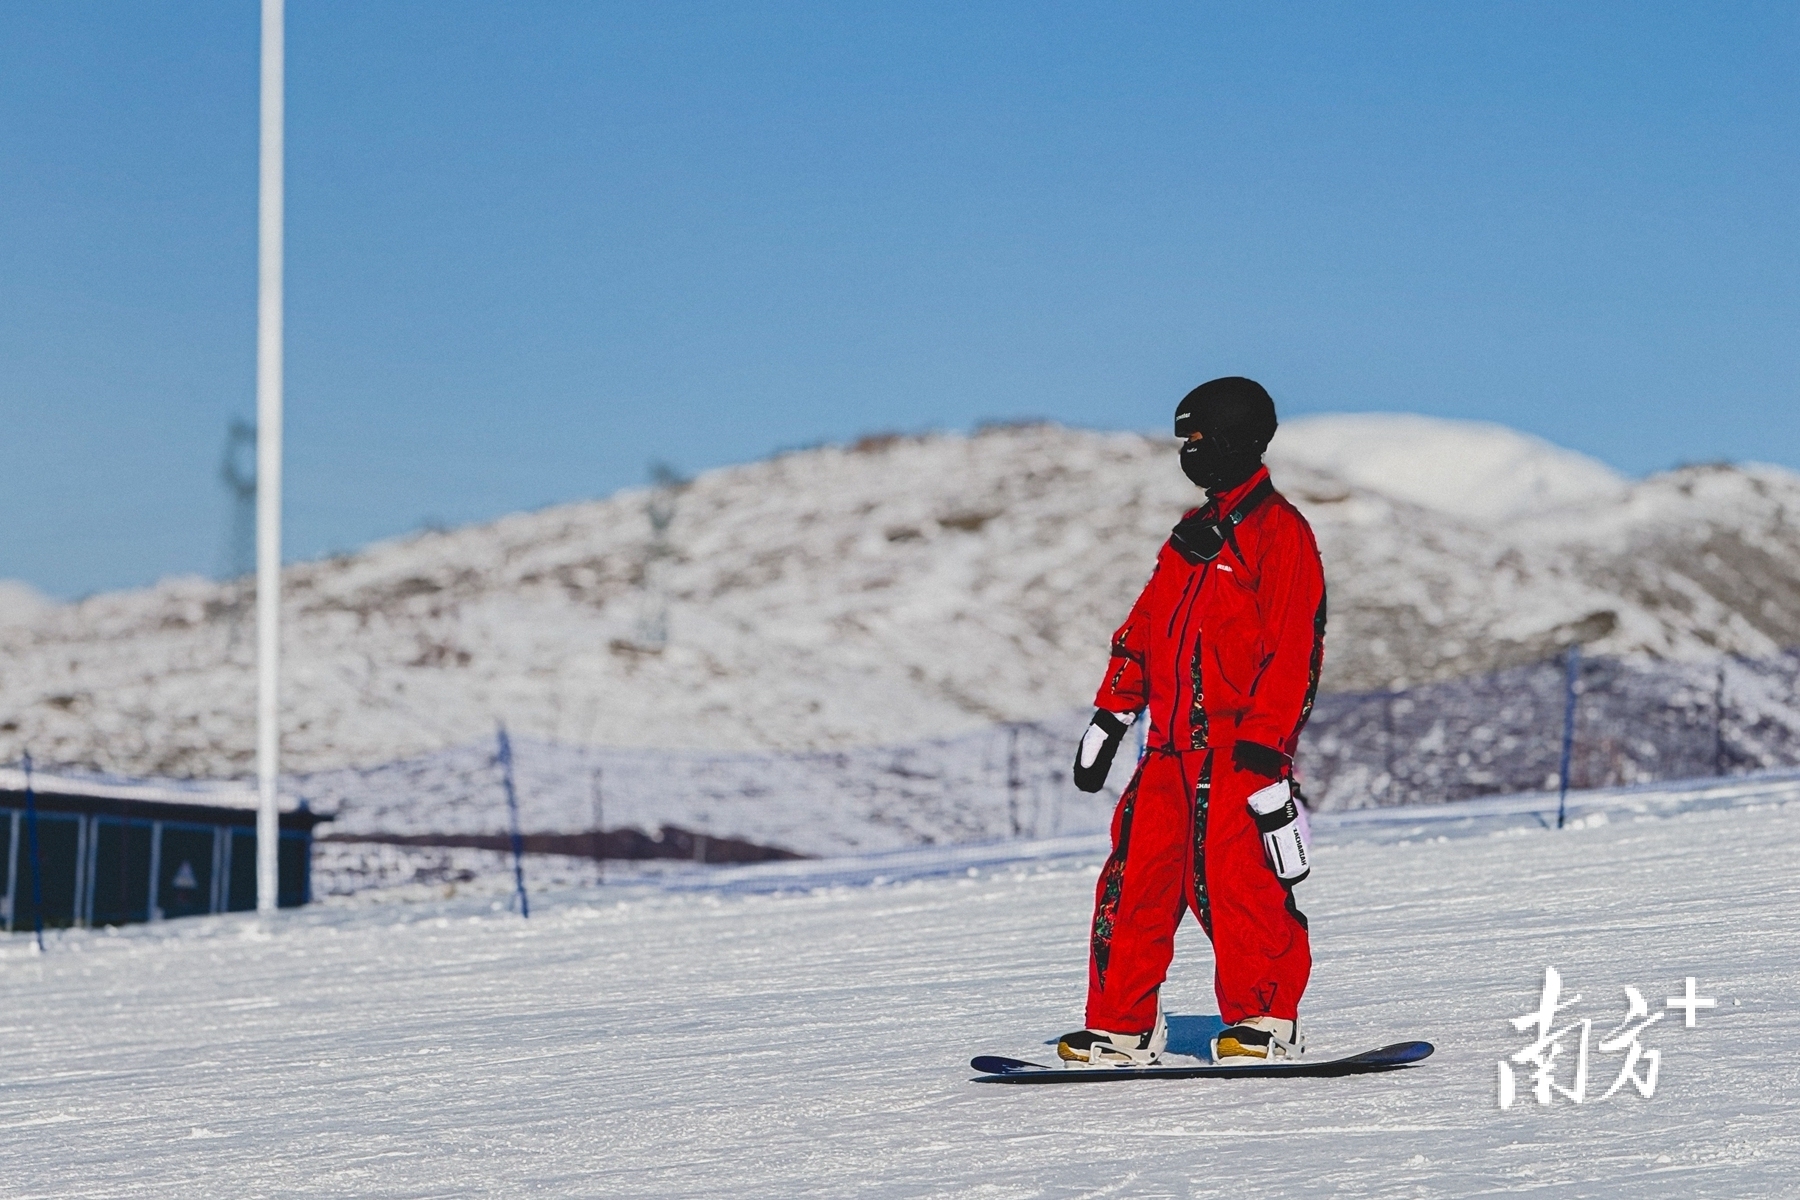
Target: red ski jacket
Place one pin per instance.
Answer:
(1227, 650)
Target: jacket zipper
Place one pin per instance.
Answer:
(1190, 661)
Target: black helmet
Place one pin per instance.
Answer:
(1233, 411)
(1235, 419)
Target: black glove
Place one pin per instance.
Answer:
(1260, 759)
(1093, 758)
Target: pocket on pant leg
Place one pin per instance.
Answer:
(1111, 888)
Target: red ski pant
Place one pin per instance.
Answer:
(1183, 839)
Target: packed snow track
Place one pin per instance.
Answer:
(645, 1040)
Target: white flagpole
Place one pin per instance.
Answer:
(268, 458)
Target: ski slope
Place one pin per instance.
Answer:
(804, 1029)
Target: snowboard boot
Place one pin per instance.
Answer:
(1098, 1048)
(1258, 1040)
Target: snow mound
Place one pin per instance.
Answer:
(1469, 469)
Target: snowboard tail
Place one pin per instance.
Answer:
(995, 1069)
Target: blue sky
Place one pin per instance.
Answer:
(532, 247)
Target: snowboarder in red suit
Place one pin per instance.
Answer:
(1223, 648)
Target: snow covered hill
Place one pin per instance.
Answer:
(814, 1041)
(896, 590)
(1468, 469)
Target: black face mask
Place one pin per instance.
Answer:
(1213, 466)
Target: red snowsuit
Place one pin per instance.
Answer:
(1219, 652)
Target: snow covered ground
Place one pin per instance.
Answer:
(1635, 722)
(802, 1030)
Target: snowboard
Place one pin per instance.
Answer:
(995, 1069)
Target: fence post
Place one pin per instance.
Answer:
(37, 865)
(1387, 746)
(599, 827)
(1719, 723)
(512, 807)
(1012, 776)
(1568, 741)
